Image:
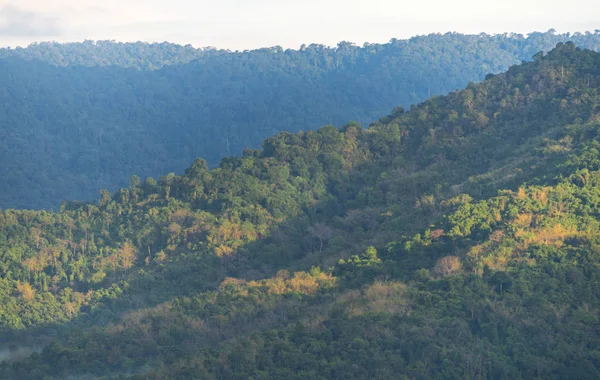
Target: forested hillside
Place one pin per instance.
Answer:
(137, 55)
(457, 240)
(76, 118)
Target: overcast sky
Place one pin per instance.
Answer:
(246, 24)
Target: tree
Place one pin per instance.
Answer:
(134, 181)
(26, 290)
(128, 256)
(371, 254)
(166, 182)
(105, 198)
(322, 232)
(447, 265)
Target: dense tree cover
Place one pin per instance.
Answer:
(75, 118)
(137, 55)
(456, 240)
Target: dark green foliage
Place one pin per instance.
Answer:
(76, 118)
(458, 240)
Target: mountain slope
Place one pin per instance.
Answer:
(77, 118)
(138, 55)
(456, 240)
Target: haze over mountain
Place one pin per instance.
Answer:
(252, 24)
(456, 240)
(76, 118)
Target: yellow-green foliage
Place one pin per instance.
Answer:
(300, 282)
(532, 217)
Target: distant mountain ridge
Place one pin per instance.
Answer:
(138, 55)
(153, 56)
(76, 118)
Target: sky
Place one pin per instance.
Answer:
(249, 24)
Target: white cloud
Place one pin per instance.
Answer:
(240, 24)
(16, 22)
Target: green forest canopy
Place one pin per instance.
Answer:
(76, 118)
(456, 240)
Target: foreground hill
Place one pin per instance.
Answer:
(76, 118)
(456, 240)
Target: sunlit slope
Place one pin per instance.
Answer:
(455, 240)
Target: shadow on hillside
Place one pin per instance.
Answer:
(292, 245)
(288, 246)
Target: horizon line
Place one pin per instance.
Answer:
(303, 45)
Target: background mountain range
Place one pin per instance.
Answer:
(76, 118)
